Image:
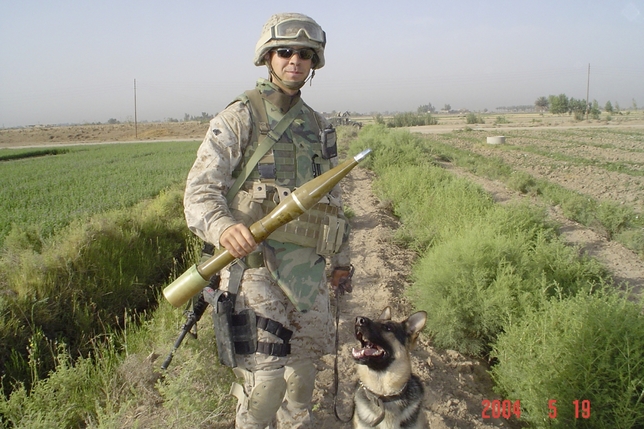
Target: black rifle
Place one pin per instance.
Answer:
(192, 317)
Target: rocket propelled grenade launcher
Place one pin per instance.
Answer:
(301, 199)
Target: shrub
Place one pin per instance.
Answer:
(633, 239)
(410, 119)
(488, 275)
(473, 118)
(421, 195)
(391, 148)
(583, 348)
(523, 182)
(614, 217)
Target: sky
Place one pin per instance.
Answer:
(76, 61)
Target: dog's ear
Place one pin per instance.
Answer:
(414, 324)
(386, 314)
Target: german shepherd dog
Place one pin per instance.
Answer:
(388, 396)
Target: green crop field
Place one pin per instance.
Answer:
(47, 189)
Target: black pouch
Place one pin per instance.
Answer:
(245, 332)
(222, 304)
(329, 143)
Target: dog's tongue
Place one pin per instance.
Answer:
(365, 352)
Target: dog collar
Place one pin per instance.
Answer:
(386, 398)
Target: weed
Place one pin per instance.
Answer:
(489, 274)
(585, 348)
(473, 118)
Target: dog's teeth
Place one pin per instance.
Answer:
(357, 354)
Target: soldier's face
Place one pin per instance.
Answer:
(290, 69)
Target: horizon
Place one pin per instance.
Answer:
(77, 62)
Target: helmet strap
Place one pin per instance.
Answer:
(288, 84)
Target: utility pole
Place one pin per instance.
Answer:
(136, 129)
(587, 91)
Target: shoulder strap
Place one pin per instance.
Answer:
(267, 142)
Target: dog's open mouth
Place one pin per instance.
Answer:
(368, 349)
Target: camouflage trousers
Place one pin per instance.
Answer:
(312, 338)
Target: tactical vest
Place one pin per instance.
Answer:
(296, 158)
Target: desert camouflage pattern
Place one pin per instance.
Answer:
(313, 338)
(266, 42)
(296, 279)
(220, 156)
(313, 328)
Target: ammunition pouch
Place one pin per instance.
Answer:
(237, 333)
(244, 331)
(321, 227)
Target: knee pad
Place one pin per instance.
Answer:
(267, 394)
(300, 382)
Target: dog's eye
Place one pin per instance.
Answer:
(388, 328)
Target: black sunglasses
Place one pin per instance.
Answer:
(304, 53)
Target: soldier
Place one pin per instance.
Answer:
(263, 145)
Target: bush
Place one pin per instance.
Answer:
(523, 182)
(422, 195)
(584, 348)
(473, 118)
(410, 119)
(614, 217)
(488, 275)
(391, 148)
(633, 239)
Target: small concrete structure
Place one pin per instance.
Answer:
(496, 140)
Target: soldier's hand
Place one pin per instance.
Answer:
(238, 240)
(341, 279)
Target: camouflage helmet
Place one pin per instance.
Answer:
(291, 29)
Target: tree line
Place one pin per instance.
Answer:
(561, 104)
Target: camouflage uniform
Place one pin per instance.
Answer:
(290, 270)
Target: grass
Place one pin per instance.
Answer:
(481, 265)
(81, 283)
(589, 347)
(493, 279)
(46, 189)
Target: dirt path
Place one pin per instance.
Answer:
(455, 385)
